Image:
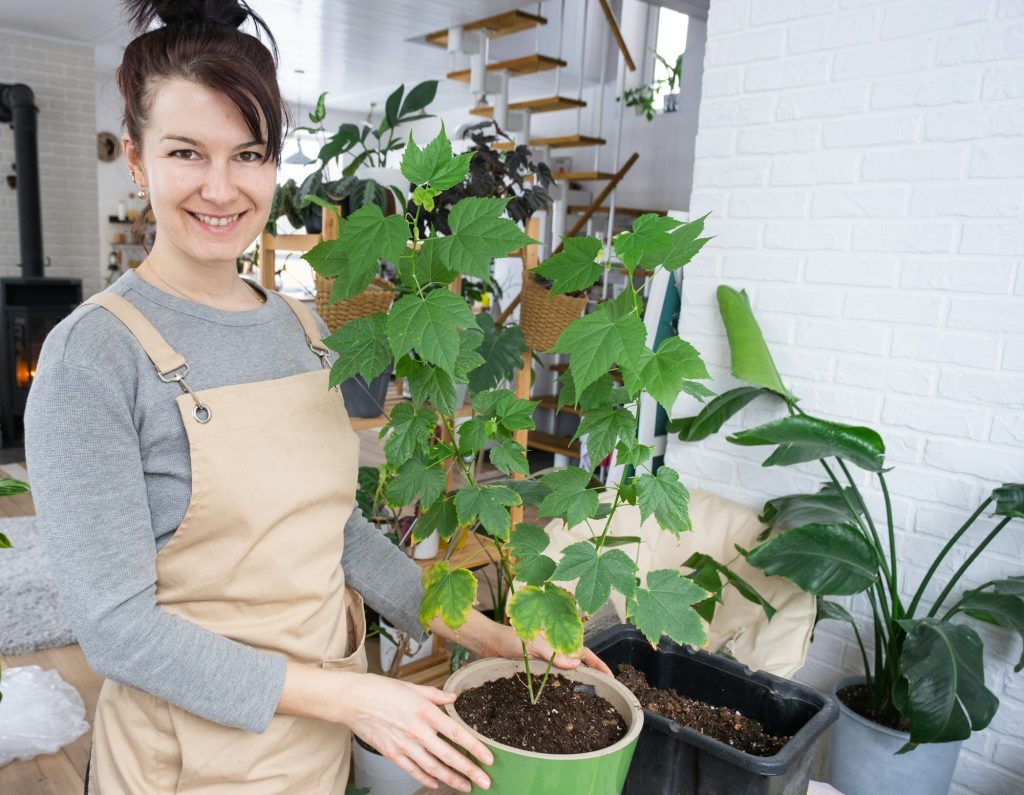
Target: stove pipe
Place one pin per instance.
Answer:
(17, 106)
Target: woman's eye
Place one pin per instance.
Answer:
(184, 154)
(250, 157)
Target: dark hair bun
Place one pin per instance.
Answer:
(142, 13)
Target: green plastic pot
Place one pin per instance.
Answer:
(515, 772)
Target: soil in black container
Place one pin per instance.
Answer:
(569, 718)
(721, 723)
(856, 698)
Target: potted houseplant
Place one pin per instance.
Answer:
(922, 690)
(432, 337)
(641, 97)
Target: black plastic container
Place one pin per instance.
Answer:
(674, 760)
(366, 400)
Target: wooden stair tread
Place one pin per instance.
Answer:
(539, 105)
(584, 176)
(526, 65)
(498, 25)
(631, 211)
(551, 402)
(549, 442)
(557, 142)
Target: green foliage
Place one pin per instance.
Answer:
(665, 498)
(657, 609)
(575, 267)
(551, 610)
(802, 438)
(527, 545)
(449, 593)
(597, 572)
(363, 346)
(751, 360)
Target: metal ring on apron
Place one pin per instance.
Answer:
(200, 406)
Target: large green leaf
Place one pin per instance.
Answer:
(569, 499)
(407, 431)
(472, 435)
(664, 607)
(502, 405)
(825, 507)
(449, 593)
(9, 486)
(329, 259)
(469, 357)
(596, 340)
(429, 325)
(942, 693)
(551, 610)
(1009, 500)
(434, 164)
(490, 503)
(363, 344)
(575, 267)
(664, 497)
(418, 98)
(428, 384)
(440, 516)
(1002, 609)
(823, 559)
(479, 233)
(686, 243)
(415, 480)
(604, 427)
(532, 492)
(510, 457)
(715, 414)
(1014, 586)
(528, 543)
(648, 243)
(802, 438)
(675, 362)
(699, 561)
(502, 350)
(368, 235)
(597, 572)
(751, 359)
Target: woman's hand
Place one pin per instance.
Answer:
(508, 644)
(405, 724)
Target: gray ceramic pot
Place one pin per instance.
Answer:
(863, 757)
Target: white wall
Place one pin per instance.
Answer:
(864, 162)
(61, 76)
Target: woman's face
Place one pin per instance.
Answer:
(209, 187)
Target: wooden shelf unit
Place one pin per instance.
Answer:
(524, 65)
(493, 27)
(541, 105)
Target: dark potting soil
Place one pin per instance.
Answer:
(721, 723)
(856, 698)
(569, 718)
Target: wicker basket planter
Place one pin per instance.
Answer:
(375, 298)
(543, 316)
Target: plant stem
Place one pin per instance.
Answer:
(942, 554)
(543, 681)
(608, 522)
(966, 565)
(529, 674)
(897, 606)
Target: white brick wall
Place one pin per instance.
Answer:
(61, 76)
(864, 162)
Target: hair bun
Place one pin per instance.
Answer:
(142, 13)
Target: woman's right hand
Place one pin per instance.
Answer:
(405, 723)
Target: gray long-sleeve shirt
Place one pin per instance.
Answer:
(108, 463)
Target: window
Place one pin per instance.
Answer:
(670, 46)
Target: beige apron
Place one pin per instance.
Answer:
(257, 558)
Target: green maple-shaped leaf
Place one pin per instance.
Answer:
(449, 593)
(527, 544)
(469, 357)
(502, 405)
(368, 235)
(686, 243)
(632, 453)
(575, 267)
(666, 498)
(428, 383)
(441, 517)
(510, 457)
(648, 243)
(551, 610)
(490, 504)
(604, 427)
(416, 479)
(434, 164)
(664, 608)
(472, 435)
(364, 347)
(479, 233)
(664, 373)
(597, 574)
(570, 498)
(407, 432)
(424, 267)
(329, 258)
(502, 351)
(429, 325)
(608, 334)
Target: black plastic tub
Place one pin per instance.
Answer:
(366, 400)
(674, 760)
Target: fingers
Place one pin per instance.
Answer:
(434, 694)
(591, 659)
(455, 761)
(415, 771)
(565, 662)
(433, 768)
(460, 736)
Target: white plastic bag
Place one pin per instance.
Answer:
(40, 713)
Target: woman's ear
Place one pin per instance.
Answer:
(133, 158)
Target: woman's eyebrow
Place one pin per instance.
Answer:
(193, 142)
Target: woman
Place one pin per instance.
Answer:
(196, 516)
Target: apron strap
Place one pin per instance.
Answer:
(305, 316)
(163, 356)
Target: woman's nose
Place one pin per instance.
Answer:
(219, 187)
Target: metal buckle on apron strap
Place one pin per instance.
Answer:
(201, 412)
(323, 354)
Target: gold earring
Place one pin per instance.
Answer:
(142, 193)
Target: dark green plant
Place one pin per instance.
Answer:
(435, 342)
(927, 673)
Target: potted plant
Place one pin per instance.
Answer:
(641, 98)
(432, 336)
(922, 690)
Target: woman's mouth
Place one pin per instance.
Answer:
(218, 224)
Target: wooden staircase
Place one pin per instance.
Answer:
(516, 67)
(542, 105)
(495, 27)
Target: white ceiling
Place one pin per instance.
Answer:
(357, 50)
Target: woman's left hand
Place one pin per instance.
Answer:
(507, 644)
